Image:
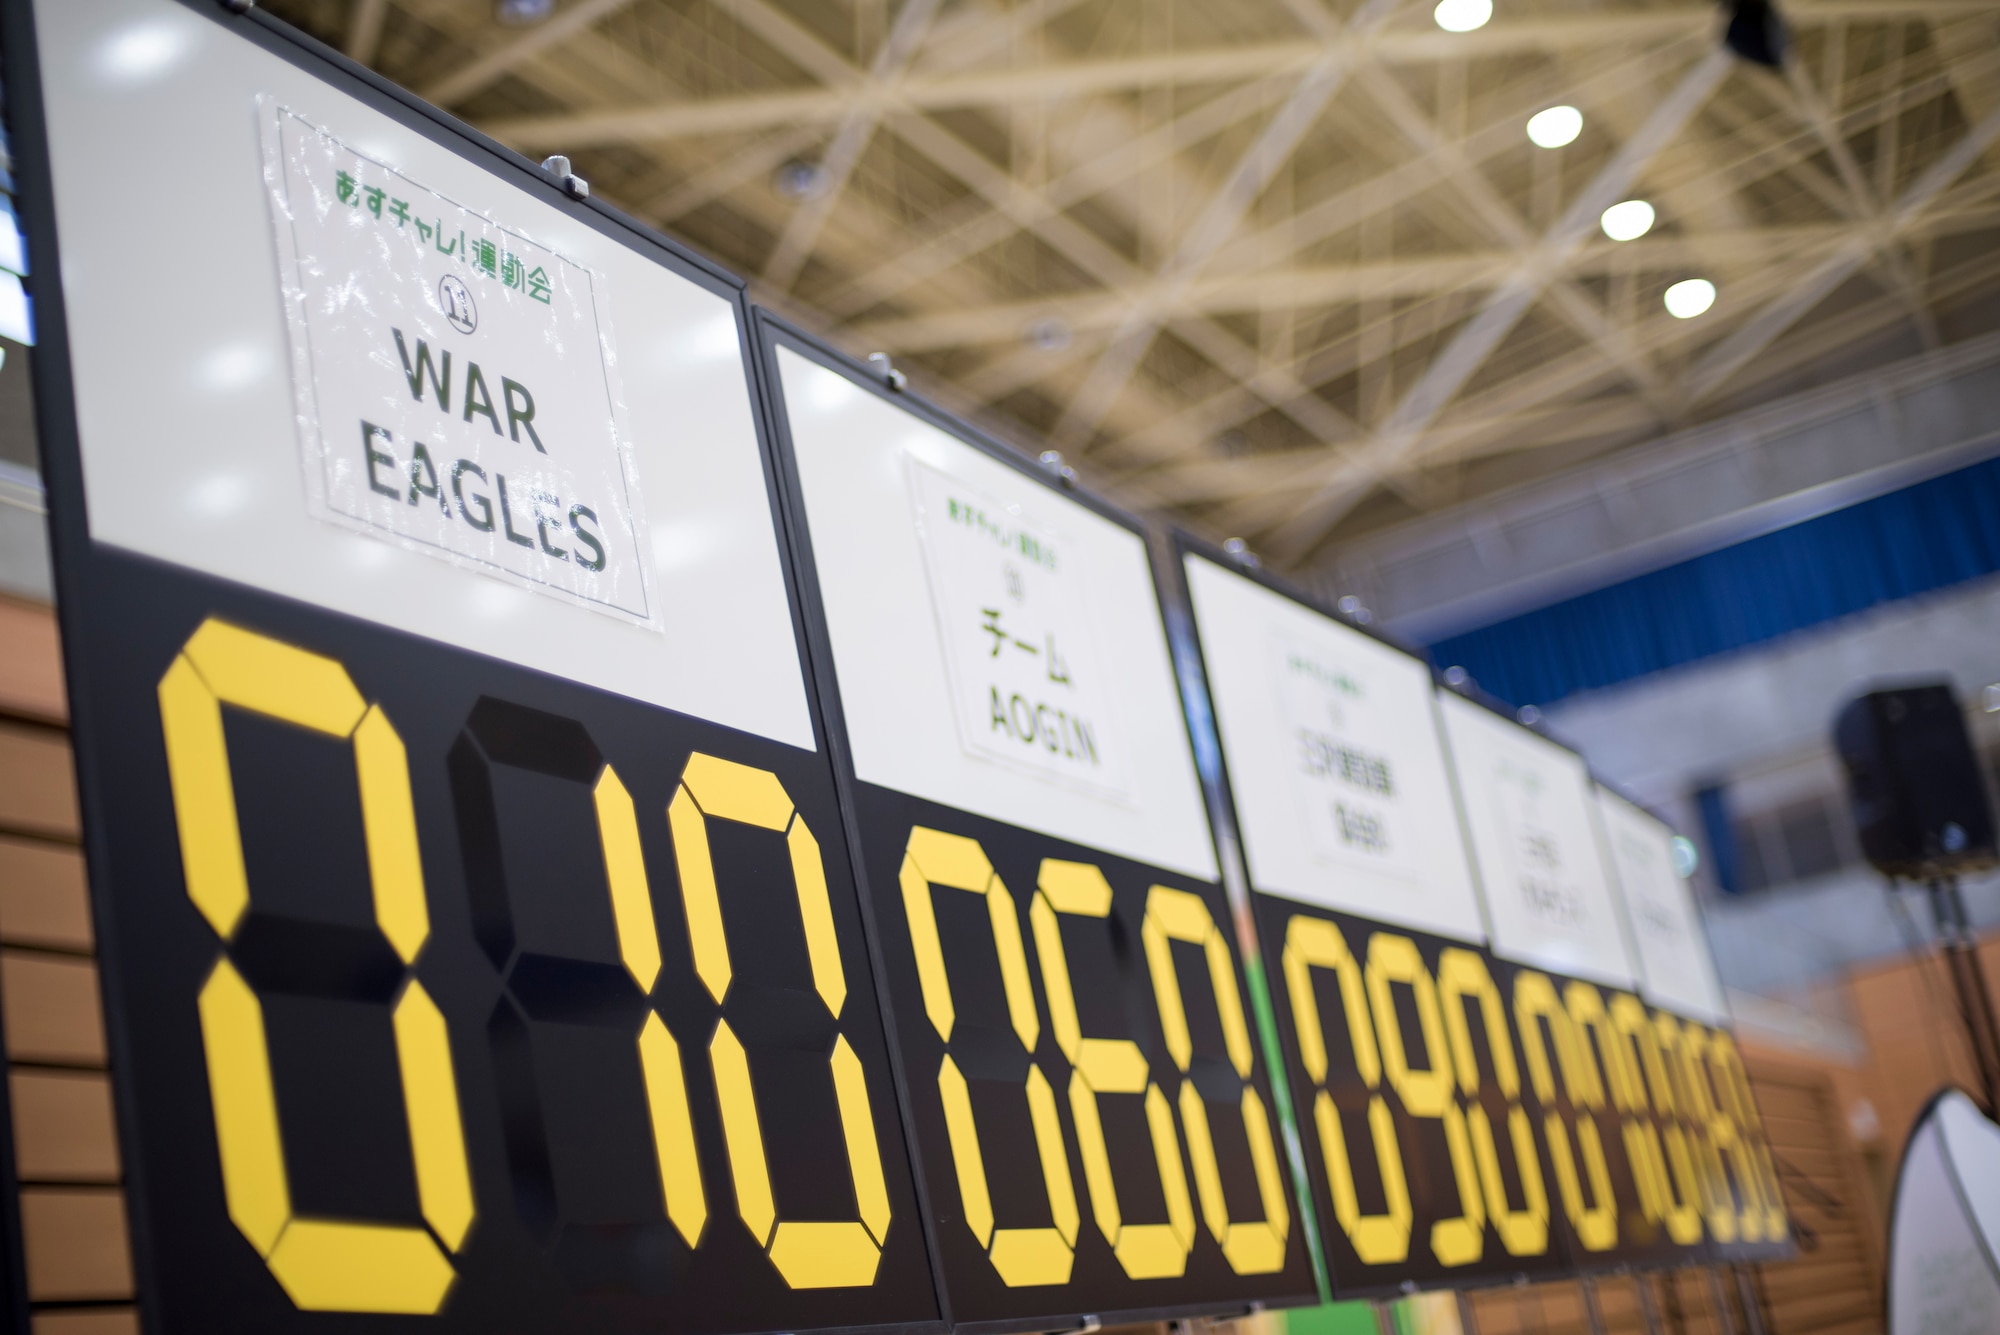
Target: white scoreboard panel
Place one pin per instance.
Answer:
(1530, 809)
(999, 647)
(1676, 970)
(1331, 741)
(1104, 1147)
(261, 418)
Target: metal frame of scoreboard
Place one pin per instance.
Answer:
(193, 966)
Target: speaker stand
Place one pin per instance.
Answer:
(1975, 1001)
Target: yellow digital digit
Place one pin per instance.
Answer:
(1461, 1239)
(1254, 1247)
(1682, 1047)
(1777, 1223)
(659, 1055)
(322, 1264)
(1102, 1066)
(1536, 1003)
(1721, 1149)
(1463, 976)
(1021, 1256)
(1733, 1085)
(808, 1254)
(1315, 943)
(1670, 1193)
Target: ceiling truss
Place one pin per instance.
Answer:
(1288, 269)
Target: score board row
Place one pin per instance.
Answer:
(603, 814)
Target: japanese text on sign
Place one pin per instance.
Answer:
(1016, 637)
(456, 382)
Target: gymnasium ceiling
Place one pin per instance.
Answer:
(1286, 269)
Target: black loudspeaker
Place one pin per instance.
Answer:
(1756, 32)
(1919, 800)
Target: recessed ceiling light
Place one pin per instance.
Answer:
(1050, 335)
(1623, 222)
(1462, 15)
(1555, 127)
(801, 180)
(522, 13)
(1685, 300)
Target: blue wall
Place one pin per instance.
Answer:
(1928, 536)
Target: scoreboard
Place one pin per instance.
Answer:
(603, 813)
(1093, 1119)
(1485, 1086)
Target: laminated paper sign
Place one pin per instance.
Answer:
(456, 382)
(1016, 635)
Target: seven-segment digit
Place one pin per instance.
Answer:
(809, 1254)
(1022, 1256)
(1314, 943)
(1255, 1247)
(1462, 977)
(323, 1264)
(1102, 1066)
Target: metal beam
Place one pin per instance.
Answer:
(364, 29)
(486, 69)
(1450, 369)
(1756, 334)
(857, 127)
(1065, 80)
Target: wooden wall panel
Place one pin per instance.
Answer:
(37, 784)
(31, 682)
(43, 898)
(76, 1240)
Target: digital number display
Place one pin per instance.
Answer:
(463, 991)
(1422, 1123)
(1091, 1110)
(1467, 1119)
(1092, 1116)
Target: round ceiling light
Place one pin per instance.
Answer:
(1462, 15)
(1555, 127)
(1690, 298)
(1624, 222)
(522, 13)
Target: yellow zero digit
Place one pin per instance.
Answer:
(322, 1264)
(1022, 1256)
(1669, 1190)
(1536, 1002)
(809, 1254)
(1722, 1051)
(1108, 1066)
(1255, 1247)
(1463, 976)
(1315, 943)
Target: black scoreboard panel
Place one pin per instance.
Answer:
(442, 993)
(1422, 1124)
(1467, 1120)
(1085, 1085)
(1660, 1133)
(441, 987)
(1091, 1110)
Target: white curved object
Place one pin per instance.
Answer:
(1944, 1228)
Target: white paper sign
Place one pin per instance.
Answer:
(1528, 807)
(1026, 686)
(906, 587)
(456, 381)
(1334, 759)
(1675, 966)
